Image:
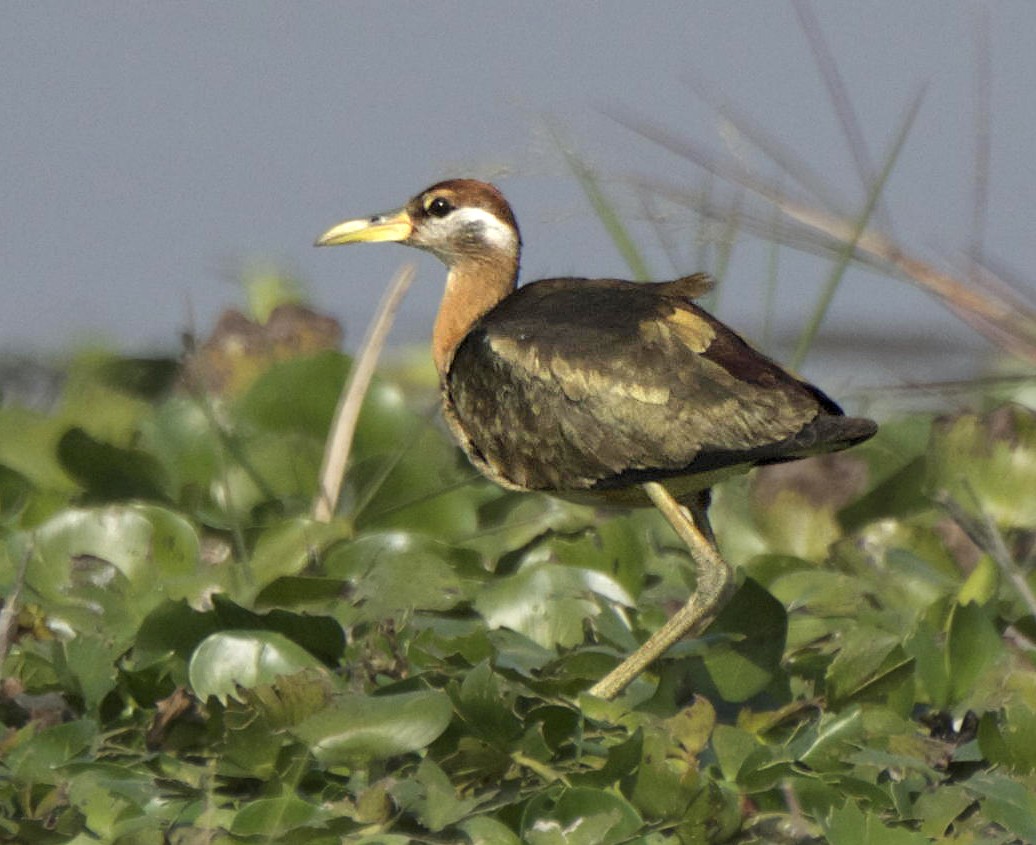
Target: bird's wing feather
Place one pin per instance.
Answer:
(574, 382)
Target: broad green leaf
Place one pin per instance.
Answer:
(1007, 802)
(175, 626)
(289, 548)
(548, 603)
(580, 816)
(395, 572)
(15, 490)
(1009, 738)
(972, 646)
(277, 817)
(937, 810)
(616, 547)
(40, 757)
(865, 654)
(437, 806)
(110, 472)
(227, 660)
(357, 729)
(297, 395)
(146, 543)
(751, 630)
(987, 463)
(485, 830)
(483, 704)
(118, 561)
(732, 747)
(849, 825)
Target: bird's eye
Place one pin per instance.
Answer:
(439, 207)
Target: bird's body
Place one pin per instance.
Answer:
(600, 389)
(587, 388)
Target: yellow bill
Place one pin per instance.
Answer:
(391, 226)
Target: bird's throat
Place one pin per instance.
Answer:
(472, 288)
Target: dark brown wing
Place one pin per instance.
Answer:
(577, 384)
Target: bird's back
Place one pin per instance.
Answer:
(578, 386)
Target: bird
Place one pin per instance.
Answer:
(601, 390)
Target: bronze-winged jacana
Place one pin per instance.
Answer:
(601, 389)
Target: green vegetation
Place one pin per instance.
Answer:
(189, 658)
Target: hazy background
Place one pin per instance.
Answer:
(149, 151)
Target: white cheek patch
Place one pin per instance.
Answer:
(495, 232)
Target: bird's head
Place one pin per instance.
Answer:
(459, 220)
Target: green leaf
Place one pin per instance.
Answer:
(176, 627)
(485, 707)
(297, 395)
(751, 630)
(1006, 802)
(548, 603)
(110, 472)
(437, 806)
(120, 561)
(357, 729)
(580, 816)
(485, 830)
(987, 463)
(849, 825)
(288, 548)
(147, 378)
(864, 655)
(15, 490)
(39, 759)
(227, 660)
(973, 645)
(395, 572)
(732, 747)
(277, 817)
(1009, 737)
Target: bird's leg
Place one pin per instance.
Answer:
(714, 589)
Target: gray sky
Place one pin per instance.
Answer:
(148, 150)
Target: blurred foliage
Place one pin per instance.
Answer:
(188, 658)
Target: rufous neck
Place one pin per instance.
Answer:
(473, 287)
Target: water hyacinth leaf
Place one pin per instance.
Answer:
(862, 655)
(177, 627)
(277, 817)
(298, 395)
(287, 549)
(423, 484)
(849, 825)
(116, 562)
(485, 830)
(752, 629)
(15, 490)
(1008, 802)
(1009, 737)
(40, 758)
(146, 543)
(548, 603)
(229, 659)
(485, 707)
(146, 378)
(109, 472)
(356, 729)
(580, 816)
(616, 547)
(394, 572)
(973, 645)
(987, 464)
(436, 805)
